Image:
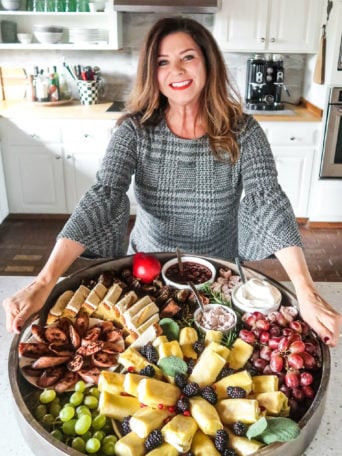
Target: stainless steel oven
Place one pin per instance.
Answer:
(331, 164)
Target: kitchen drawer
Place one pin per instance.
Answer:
(27, 132)
(87, 131)
(291, 134)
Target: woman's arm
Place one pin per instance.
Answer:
(325, 320)
(31, 298)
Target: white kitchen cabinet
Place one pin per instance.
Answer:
(269, 25)
(109, 23)
(294, 147)
(3, 193)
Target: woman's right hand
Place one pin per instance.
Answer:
(24, 303)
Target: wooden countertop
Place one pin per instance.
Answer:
(74, 110)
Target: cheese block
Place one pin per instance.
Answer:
(124, 303)
(105, 309)
(57, 309)
(179, 432)
(129, 313)
(130, 445)
(112, 382)
(75, 303)
(147, 419)
(94, 298)
(206, 415)
(131, 382)
(153, 392)
(148, 336)
(117, 406)
(243, 379)
(137, 319)
(202, 445)
(151, 321)
(245, 410)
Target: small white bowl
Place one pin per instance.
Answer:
(25, 38)
(11, 5)
(188, 259)
(211, 308)
(48, 37)
(260, 304)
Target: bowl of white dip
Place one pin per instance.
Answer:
(256, 295)
(215, 317)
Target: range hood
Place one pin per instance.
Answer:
(168, 6)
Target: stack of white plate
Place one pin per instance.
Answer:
(79, 35)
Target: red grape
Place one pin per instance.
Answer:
(264, 337)
(284, 389)
(298, 394)
(274, 331)
(247, 336)
(298, 346)
(250, 321)
(287, 332)
(281, 320)
(292, 379)
(260, 363)
(259, 315)
(276, 362)
(268, 370)
(283, 344)
(265, 352)
(274, 342)
(296, 326)
(311, 348)
(306, 378)
(295, 360)
(309, 360)
(262, 324)
(308, 391)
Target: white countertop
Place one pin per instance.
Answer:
(325, 443)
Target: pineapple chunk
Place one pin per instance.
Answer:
(219, 349)
(202, 445)
(116, 406)
(131, 383)
(275, 403)
(172, 348)
(132, 358)
(187, 336)
(163, 450)
(153, 392)
(244, 410)
(112, 382)
(207, 367)
(242, 379)
(244, 446)
(213, 336)
(240, 354)
(265, 383)
(179, 432)
(147, 419)
(206, 415)
(159, 340)
(130, 445)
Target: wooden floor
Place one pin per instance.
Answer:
(26, 242)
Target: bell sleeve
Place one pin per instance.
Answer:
(266, 219)
(99, 221)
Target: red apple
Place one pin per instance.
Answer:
(146, 267)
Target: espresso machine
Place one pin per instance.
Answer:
(265, 82)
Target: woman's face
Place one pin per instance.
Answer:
(181, 70)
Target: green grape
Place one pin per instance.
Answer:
(91, 402)
(88, 435)
(109, 438)
(48, 395)
(108, 449)
(93, 445)
(98, 422)
(40, 411)
(76, 398)
(69, 427)
(83, 410)
(99, 435)
(78, 444)
(54, 409)
(57, 434)
(108, 427)
(94, 391)
(80, 386)
(47, 421)
(83, 424)
(67, 413)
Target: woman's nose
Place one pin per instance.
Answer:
(178, 67)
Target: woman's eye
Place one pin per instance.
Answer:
(189, 57)
(162, 62)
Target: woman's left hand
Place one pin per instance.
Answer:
(320, 315)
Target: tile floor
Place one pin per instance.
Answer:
(26, 242)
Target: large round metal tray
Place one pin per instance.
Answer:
(42, 443)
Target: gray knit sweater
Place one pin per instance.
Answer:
(185, 197)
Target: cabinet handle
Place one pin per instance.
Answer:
(58, 157)
(86, 135)
(68, 157)
(262, 40)
(273, 40)
(292, 138)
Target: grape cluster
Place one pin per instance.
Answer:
(285, 346)
(73, 418)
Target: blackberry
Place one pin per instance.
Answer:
(181, 380)
(239, 428)
(221, 440)
(229, 452)
(148, 370)
(126, 427)
(198, 346)
(183, 404)
(252, 370)
(224, 372)
(191, 389)
(143, 349)
(191, 364)
(209, 394)
(151, 354)
(153, 440)
(236, 392)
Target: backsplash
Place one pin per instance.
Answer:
(118, 67)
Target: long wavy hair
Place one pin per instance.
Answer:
(220, 103)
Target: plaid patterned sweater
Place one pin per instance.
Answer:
(185, 197)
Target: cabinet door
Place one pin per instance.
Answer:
(241, 25)
(294, 175)
(294, 25)
(3, 194)
(34, 179)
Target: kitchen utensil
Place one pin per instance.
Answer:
(197, 296)
(241, 273)
(179, 259)
(319, 70)
(88, 91)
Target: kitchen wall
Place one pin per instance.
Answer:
(118, 67)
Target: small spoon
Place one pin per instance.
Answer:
(241, 273)
(197, 296)
(180, 263)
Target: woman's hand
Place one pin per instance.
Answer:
(322, 318)
(24, 303)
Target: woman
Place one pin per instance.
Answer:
(192, 152)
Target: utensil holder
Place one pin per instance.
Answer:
(88, 91)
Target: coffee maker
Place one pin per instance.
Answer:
(265, 81)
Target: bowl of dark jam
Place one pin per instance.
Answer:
(195, 269)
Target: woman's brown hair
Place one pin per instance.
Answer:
(220, 104)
